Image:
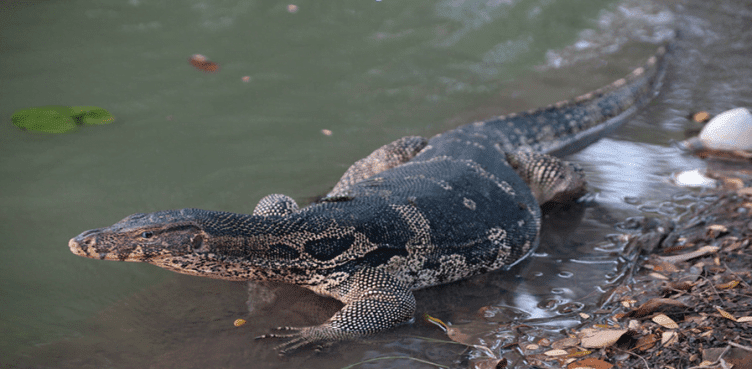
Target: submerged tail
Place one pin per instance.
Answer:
(568, 126)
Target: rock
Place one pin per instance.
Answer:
(728, 131)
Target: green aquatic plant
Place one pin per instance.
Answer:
(91, 115)
(58, 118)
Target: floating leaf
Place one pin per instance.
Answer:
(701, 117)
(49, 119)
(199, 62)
(59, 119)
(92, 115)
(238, 322)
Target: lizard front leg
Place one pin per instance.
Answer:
(374, 301)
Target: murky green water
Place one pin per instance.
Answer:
(369, 72)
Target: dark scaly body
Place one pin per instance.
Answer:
(413, 214)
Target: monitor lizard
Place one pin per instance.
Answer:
(415, 213)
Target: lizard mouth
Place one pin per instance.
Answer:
(85, 244)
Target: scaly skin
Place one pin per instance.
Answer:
(413, 214)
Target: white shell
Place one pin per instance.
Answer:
(728, 131)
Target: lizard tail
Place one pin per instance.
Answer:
(569, 126)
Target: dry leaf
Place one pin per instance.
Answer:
(653, 305)
(590, 363)
(456, 335)
(658, 276)
(488, 363)
(668, 338)
(701, 117)
(580, 353)
(745, 191)
(665, 321)
(724, 313)
(591, 338)
(727, 285)
(556, 353)
(702, 251)
(565, 343)
(646, 342)
(744, 319)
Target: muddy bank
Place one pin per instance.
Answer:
(688, 302)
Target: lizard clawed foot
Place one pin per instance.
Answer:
(321, 336)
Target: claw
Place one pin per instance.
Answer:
(301, 337)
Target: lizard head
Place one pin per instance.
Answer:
(191, 241)
(142, 237)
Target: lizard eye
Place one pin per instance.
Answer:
(147, 234)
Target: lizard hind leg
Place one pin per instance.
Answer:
(385, 157)
(550, 179)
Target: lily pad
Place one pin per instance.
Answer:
(59, 119)
(91, 115)
(50, 119)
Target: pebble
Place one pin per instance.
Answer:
(693, 178)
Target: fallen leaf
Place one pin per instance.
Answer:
(457, 335)
(646, 342)
(653, 305)
(665, 321)
(701, 117)
(727, 285)
(565, 343)
(580, 353)
(724, 313)
(598, 339)
(590, 363)
(668, 338)
(556, 353)
(745, 191)
(702, 251)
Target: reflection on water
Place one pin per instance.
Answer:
(368, 72)
(632, 170)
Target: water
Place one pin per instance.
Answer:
(368, 71)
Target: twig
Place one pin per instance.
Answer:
(747, 348)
